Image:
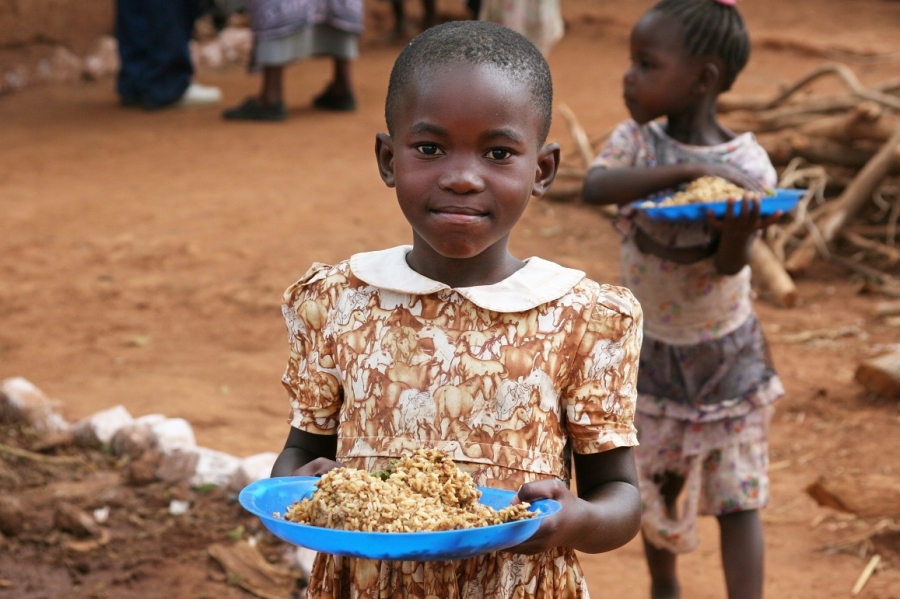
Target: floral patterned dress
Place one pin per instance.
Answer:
(706, 377)
(508, 379)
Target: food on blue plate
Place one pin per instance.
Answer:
(425, 491)
(700, 191)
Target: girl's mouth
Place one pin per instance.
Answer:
(459, 214)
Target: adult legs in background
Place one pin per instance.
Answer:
(742, 554)
(338, 95)
(662, 563)
(153, 37)
(401, 26)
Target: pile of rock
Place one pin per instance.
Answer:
(160, 448)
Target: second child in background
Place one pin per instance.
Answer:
(706, 380)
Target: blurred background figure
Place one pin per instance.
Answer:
(156, 69)
(403, 28)
(285, 31)
(538, 20)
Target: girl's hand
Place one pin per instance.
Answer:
(555, 530)
(317, 467)
(737, 231)
(734, 175)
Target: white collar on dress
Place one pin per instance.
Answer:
(536, 283)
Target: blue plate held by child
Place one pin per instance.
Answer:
(783, 199)
(265, 497)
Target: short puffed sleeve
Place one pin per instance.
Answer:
(602, 388)
(311, 377)
(623, 147)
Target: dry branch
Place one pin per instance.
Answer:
(865, 575)
(37, 457)
(891, 253)
(850, 202)
(849, 79)
(579, 136)
(879, 93)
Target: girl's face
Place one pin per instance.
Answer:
(465, 159)
(662, 78)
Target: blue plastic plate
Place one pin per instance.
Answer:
(784, 200)
(264, 497)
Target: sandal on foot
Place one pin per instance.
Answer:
(329, 100)
(253, 110)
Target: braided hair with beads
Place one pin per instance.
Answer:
(712, 28)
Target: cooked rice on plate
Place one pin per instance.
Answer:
(425, 491)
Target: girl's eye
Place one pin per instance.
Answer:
(428, 149)
(498, 154)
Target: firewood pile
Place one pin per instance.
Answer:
(843, 148)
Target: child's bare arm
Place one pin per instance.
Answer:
(623, 185)
(605, 515)
(306, 454)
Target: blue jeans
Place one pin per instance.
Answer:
(153, 38)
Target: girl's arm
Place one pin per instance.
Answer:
(605, 515)
(306, 454)
(622, 185)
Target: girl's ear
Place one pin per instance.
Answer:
(384, 154)
(545, 171)
(709, 79)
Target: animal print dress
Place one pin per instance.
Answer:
(508, 379)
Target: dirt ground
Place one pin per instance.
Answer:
(143, 256)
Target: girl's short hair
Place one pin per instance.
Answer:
(712, 28)
(477, 43)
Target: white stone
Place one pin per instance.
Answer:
(172, 434)
(177, 507)
(101, 514)
(100, 428)
(251, 469)
(213, 467)
(22, 401)
(178, 465)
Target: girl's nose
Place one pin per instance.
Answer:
(628, 78)
(461, 175)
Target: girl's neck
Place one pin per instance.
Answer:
(698, 127)
(491, 266)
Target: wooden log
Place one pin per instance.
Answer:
(854, 197)
(867, 495)
(866, 121)
(827, 151)
(766, 266)
(887, 309)
(881, 375)
(784, 147)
